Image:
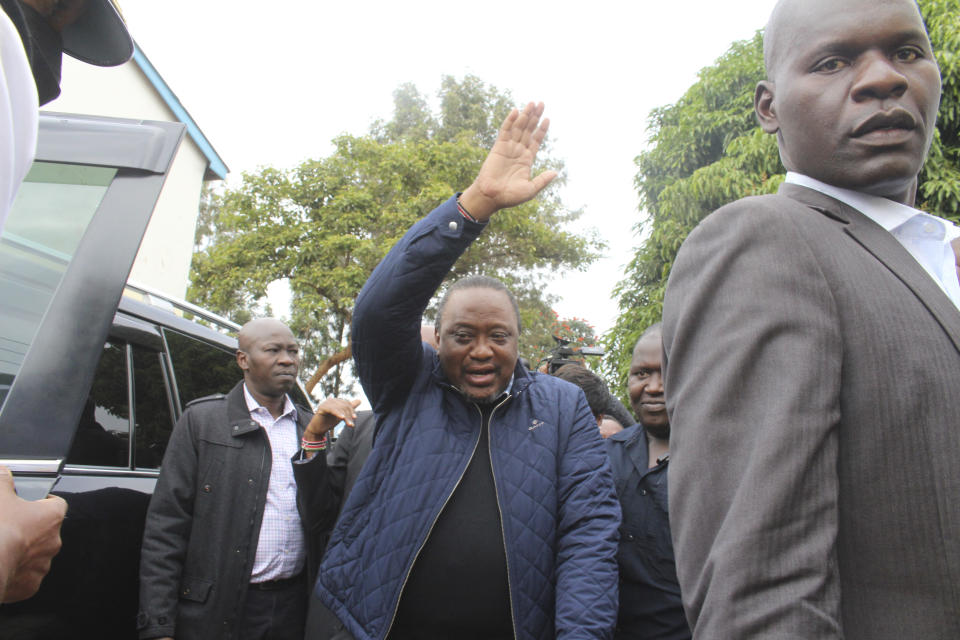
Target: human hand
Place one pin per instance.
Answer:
(29, 538)
(504, 179)
(609, 426)
(330, 412)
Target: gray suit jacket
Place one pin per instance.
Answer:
(812, 372)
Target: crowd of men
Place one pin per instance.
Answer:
(791, 472)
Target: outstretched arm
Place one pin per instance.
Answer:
(504, 180)
(386, 320)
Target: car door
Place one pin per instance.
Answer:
(65, 254)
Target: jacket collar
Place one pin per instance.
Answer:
(889, 214)
(634, 443)
(884, 247)
(239, 416)
(237, 413)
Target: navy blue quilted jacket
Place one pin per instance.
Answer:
(554, 487)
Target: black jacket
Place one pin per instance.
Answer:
(204, 519)
(650, 606)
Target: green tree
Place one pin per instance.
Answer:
(325, 224)
(706, 150)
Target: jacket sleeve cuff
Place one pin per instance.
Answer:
(149, 627)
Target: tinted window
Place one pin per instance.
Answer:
(200, 369)
(53, 208)
(151, 411)
(103, 434)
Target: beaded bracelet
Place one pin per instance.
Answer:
(314, 445)
(463, 211)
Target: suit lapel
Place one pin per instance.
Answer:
(888, 250)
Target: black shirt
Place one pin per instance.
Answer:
(650, 606)
(458, 587)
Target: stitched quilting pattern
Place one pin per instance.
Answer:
(420, 453)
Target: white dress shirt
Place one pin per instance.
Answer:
(925, 236)
(18, 114)
(281, 551)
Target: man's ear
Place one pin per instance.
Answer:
(242, 360)
(764, 108)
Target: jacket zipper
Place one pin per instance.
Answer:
(503, 532)
(396, 606)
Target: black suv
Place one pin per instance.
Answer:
(94, 372)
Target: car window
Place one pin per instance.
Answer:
(152, 418)
(53, 208)
(103, 433)
(199, 368)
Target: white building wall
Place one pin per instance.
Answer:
(125, 92)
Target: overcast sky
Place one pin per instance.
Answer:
(271, 83)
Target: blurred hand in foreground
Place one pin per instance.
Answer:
(29, 538)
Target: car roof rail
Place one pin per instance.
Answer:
(182, 308)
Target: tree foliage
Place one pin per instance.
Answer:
(706, 150)
(540, 341)
(325, 224)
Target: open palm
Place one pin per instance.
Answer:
(504, 179)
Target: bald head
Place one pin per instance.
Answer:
(852, 93)
(793, 20)
(645, 384)
(258, 328)
(269, 357)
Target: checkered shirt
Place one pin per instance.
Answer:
(281, 551)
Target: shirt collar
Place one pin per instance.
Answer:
(885, 212)
(252, 405)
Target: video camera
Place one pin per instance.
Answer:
(563, 354)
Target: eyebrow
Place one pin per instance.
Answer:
(467, 325)
(844, 43)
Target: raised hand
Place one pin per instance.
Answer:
(504, 179)
(330, 412)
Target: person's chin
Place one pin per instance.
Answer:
(657, 426)
(284, 386)
(480, 396)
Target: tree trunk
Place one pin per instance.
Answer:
(326, 365)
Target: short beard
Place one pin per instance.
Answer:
(487, 399)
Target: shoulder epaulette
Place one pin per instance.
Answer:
(215, 396)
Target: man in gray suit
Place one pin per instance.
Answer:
(812, 352)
